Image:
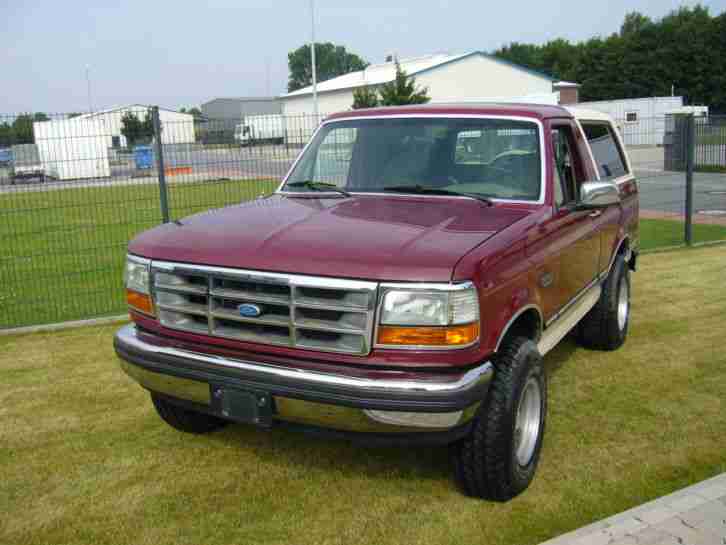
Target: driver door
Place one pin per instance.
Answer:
(566, 243)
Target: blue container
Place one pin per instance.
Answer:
(144, 157)
(6, 156)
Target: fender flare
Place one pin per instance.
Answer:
(513, 318)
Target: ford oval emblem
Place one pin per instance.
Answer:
(248, 310)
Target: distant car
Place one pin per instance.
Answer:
(26, 163)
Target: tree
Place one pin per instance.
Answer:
(330, 61)
(686, 49)
(7, 136)
(22, 128)
(365, 97)
(136, 131)
(633, 23)
(403, 90)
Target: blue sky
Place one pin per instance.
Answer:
(182, 53)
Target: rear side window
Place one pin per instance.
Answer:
(608, 157)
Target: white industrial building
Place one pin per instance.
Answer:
(72, 149)
(472, 76)
(642, 121)
(78, 147)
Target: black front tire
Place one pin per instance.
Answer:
(602, 328)
(486, 462)
(184, 419)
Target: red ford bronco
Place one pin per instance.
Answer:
(401, 286)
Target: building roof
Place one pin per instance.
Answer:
(564, 84)
(121, 108)
(377, 74)
(243, 99)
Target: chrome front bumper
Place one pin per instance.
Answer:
(390, 402)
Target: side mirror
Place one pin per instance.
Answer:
(598, 195)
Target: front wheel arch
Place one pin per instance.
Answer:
(525, 322)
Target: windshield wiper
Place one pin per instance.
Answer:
(318, 186)
(421, 190)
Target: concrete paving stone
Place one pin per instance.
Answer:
(657, 514)
(627, 526)
(653, 536)
(714, 522)
(689, 536)
(599, 538)
(686, 502)
(627, 540)
(712, 492)
(713, 510)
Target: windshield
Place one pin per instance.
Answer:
(496, 158)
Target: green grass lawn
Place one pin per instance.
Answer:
(84, 459)
(664, 233)
(62, 251)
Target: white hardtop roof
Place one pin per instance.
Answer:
(586, 114)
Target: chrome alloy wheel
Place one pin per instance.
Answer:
(528, 422)
(623, 304)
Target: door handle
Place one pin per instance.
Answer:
(595, 213)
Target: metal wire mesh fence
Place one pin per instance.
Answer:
(682, 200)
(75, 188)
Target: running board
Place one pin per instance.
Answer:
(565, 323)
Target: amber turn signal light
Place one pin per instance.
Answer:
(140, 302)
(456, 335)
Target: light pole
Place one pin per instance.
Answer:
(88, 83)
(312, 59)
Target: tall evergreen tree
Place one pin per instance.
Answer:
(403, 90)
(365, 97)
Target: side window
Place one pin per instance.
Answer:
(605, 149)
(565, 178)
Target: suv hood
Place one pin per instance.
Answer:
(372, 237)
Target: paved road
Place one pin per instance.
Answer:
(255, 162)
(666, 192)
(693, 516)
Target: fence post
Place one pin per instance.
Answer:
(690, 160)
(163, 195)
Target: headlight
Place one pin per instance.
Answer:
(137, 274)
(136, 280)
(445, 315)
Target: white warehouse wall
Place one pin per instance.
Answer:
(479, 77)
(71, 149)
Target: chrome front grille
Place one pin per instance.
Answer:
(317, 313)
